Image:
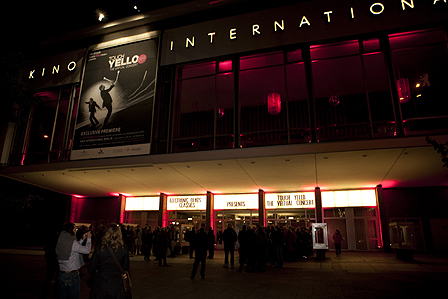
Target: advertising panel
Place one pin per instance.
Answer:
(186, 203)
(116, 104)
(297, 200)
(236, 202)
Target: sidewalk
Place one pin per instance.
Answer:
(352, 275)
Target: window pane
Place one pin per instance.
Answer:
(225, 100)
(258, 127)
(197, 70)
(256, 61)
(416, 38)
(61, 120)
(225, 66)
(334, 50)
(294, 55)
(298, 103)
(371, 45)
(381, 106)
(41, 129)
(194, 115)
(423, 71)
(340, 99)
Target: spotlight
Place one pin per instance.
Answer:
(101, 16)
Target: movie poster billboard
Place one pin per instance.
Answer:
(116, 103)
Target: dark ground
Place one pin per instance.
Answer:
(352, 275)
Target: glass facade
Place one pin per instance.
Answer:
(344, 90)
(375, 87)
(50, 126)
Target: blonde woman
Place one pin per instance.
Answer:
(108, 282)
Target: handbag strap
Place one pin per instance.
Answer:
(116, 259)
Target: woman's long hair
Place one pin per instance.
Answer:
(112, 237)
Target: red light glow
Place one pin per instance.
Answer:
(274, 103)
(389, 183)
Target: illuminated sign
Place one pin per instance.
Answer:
(297, 23)
(182, 203)
(236, 202)
(352, 198)
(142, 203)
(289, 200)
(54, 71)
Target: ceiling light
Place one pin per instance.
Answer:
(101, 16)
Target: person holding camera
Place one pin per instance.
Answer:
(70, 258)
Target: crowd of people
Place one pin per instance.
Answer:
(258, 248)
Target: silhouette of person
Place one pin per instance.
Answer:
(92, 109)
(200, 252)
(107, 101)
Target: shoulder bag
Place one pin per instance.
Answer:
(127, 284)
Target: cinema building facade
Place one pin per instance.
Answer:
(313, 112)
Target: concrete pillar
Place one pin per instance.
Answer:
(210, 211)
(261, 209)
(163, 213)
(383, 223)
(318, 202)
(121, 208)
(319, 219)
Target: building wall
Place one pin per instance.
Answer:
(95, 211)
(429, 204)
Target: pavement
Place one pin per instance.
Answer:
(351, 275)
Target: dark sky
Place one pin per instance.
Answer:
(22, 23)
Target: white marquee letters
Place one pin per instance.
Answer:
(277, 25)
(375, 11)
(304, 21)
(255, 29)
(211, 34)
(404, 2)
(71, 66)
(233, 33)
(328, 15)
(189, 41)
(55, 69)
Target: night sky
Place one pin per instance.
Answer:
(33, 22)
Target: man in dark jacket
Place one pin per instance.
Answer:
(201, 242)
(243, 239)
(162, 246)
(229, 237)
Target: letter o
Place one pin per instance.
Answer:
(134, 59)
(71, 66)
(377, 12)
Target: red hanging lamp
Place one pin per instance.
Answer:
(274, 103)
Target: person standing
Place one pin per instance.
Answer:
(337, 240)
(201, 241)
(211, 243)
(70, 258)
(108, 282)
(229, 237)
(243, 239)
(162, 246)
(147, 243)
(191, 240)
